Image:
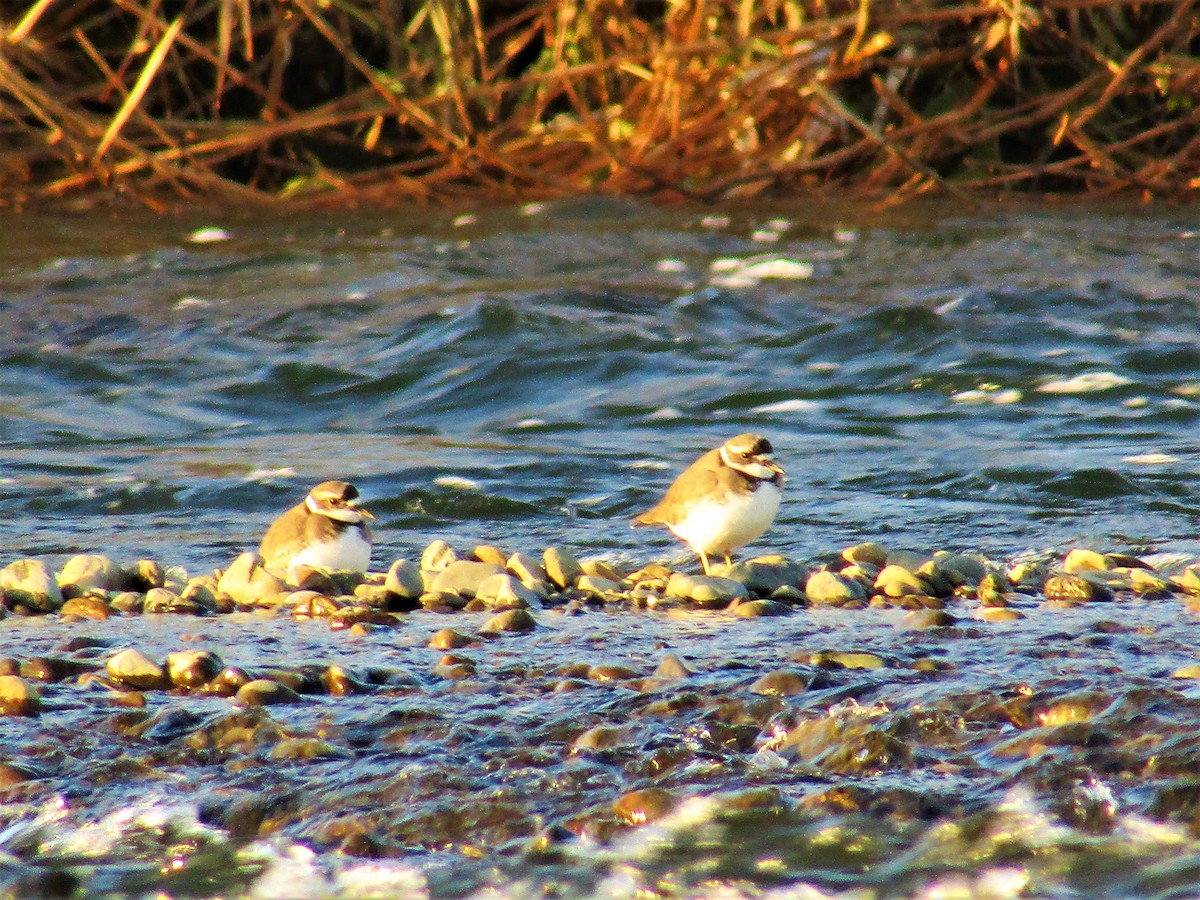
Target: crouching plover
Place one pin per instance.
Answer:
(724, 500)
(327, 531)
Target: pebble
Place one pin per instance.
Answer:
(781, 683)
(449, 639)
(91, 607)
(646, 805)
(31, 583)
(767, 574)
(404, 580)
(610, 672)
(847, 660)
(437, 556)
(463, 577)
(828, 588)
(1080, 560)
(505, 591)
(753, 609)
(514, 620)
(597, 584)
(894, 581)
(489, 554)
(134, 669)
(1075, 589)
(18, 697)
(89, 572)
(602, 737)
(707, 590)
(1000, 614)
(562, 568)
(963, 568)
(264, 692)
(597, 568)
(872, 553)
(672, 667)
(528, 569)
(193, 668)
(248, 582)
(924, 619)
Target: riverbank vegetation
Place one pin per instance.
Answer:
(380, 100)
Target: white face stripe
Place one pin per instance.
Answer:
(342, 514)
(753, 467)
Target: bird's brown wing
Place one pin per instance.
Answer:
(283, 538)
(700, 478)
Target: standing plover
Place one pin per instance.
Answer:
(327, 531)
(724, 500)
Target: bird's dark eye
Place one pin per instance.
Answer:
(746, 454)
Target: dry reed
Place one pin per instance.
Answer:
(350, 100)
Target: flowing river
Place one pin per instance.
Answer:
(1010, 383)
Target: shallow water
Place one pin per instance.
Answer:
(1009, 382)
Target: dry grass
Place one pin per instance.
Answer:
(347, 100)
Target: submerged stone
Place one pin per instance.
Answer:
(134, 669)
(646, 805)
(510, 620)
(262, 692)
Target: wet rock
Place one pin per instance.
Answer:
(1075, 589)
(463, 577)
(248, 582)
(309, 605)
(924, 619)
(598, 568)
(201, 590)
(92, 607)
(753, 609)
(350, 616)
(528, 569)
(262, 692)
(161, 600)
(872, 553)
(597, 584)
(127, 602)
(1028, 575)
(646, 805)
(907, 559)
(512, 620)
(306, 749)
(449, 639)
(191, 669)
(143, 575)
(18, 697)
(850, 747)
(133, 669)
(847, 660)
(1000, 614)
(993, 590)
(781, 683)
(893, 581)
(602, 737)
(306, 578)
(672, 666)
(404, 580)
(90, 572)
(1149, 585)
(340, 682)
(706, 590)
(606, 672)
(454, 668)
(962, 568)
(437, 556)
(489, 554)
(766, 574)
(1080, 560)
(562, 568)
(30, 583)
(229, 681)
(505, 591)
(825, 588)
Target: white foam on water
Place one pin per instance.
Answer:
(1151, 459)
(1087, 383)
(670, 265)
(209, 235)
(787, 406)
(457, 482)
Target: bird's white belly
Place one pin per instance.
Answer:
(348, 551)
(714, 527)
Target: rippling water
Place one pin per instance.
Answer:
(1004, 381)
(1010, 382)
